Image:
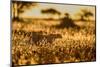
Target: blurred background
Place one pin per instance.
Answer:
(48, 33)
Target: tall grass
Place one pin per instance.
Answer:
(73, 46)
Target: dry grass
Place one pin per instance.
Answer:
(73, 46)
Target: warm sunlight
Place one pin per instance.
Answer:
(48, 33)
(35, 12)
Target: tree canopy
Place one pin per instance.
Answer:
(20, 6)
(50, 11)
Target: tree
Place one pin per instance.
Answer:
(85, 15)
(67, 22)
(19, 7)
(51, 11)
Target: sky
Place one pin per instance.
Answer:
(35, 12)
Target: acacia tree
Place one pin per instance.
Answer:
(19, 7)
(85, 14)
(67, 22)
(51, 11)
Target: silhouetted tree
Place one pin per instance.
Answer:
(51, 11)
(67, 22)
(85, 14)
(19, 7)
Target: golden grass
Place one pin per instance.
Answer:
(74, 46)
